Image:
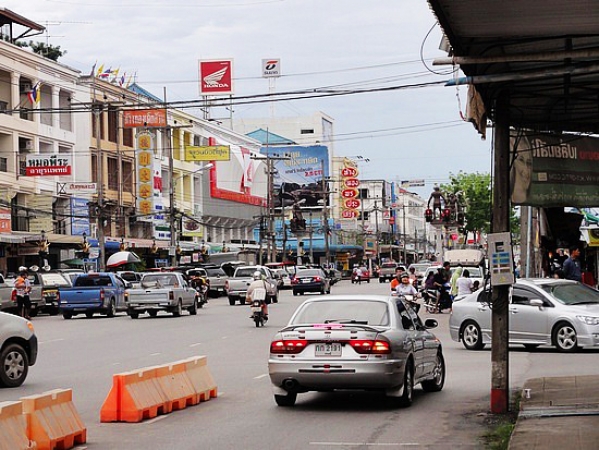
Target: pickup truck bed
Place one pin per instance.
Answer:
(102, 293)
(162, 292)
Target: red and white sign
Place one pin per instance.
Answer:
(349, 214)
(5, 221)
(351, 182)
(47, 165)
(352, 203)
(349, 172)
(216, 77)
(349, 193)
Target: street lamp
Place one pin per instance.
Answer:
(173, 240)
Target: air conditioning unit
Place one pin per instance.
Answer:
(26, 145)
(25, 88)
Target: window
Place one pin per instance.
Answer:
(363, 193)
(113, 123)
(128, 137)
(3, 164)
(113, 174)
(127, 176)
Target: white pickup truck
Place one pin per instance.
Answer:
(162, 291)
(237, 286)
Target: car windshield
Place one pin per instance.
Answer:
(344, 311)
(308, 273)
(245, 272)
(215, 272)
(54, 279)
(572, 293)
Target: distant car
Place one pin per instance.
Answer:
(18, 349)
(310, 280)
(361, 342)
(283, 278)
(387, 271)
(545, 311)
(217, 280)
(365, 276)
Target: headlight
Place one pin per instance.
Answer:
(589, 320)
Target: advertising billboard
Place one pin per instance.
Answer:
(298, 174)
(80, 216)
(216, 77)
(144, 160)
(554, 170)
(147, 118)
(47, 165)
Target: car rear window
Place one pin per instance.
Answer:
(365, 312)
(83, 281)
(158, 280)
(308, 273)
(245, 273)
(215, 272)
(129, 276)
(54, 279)
(388, 265)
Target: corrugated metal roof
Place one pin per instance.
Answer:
(555, 83)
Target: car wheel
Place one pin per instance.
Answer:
(322, 291)
(193, 309)
(33, 312)
(15, 365)
(153, 313)
(407, 397)
(301, 293)
(111, 309)
(472, 336)
(564, 337)
(530, 347)
(381, 280)
(329, 291)
(67, 315)
(231, 301)
(134, 315)
(178, 310)
(295, 293)
(286, 400)
(436, 384)
(89, 315)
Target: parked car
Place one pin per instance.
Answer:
(310, 280)
(18, 349)
(162, 291)
(43, 295)
(92, 293)
(355, 342)
(545, 311)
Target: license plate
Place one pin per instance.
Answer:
(255, 309)
(327, 349)
(306, 280)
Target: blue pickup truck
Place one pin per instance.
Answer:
(92, 293)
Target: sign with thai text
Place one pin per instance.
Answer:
(208, 153)
(47, 165)
(147, 118)
(145, 146)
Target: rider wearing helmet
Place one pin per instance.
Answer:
(405, 286)
(258, 283)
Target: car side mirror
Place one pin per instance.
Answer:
(431, 323)
(536, 302)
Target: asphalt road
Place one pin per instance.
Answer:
(83, 354)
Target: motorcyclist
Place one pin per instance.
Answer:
(407, 290)
(397, 280)
(258, 283)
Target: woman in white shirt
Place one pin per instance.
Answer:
(464, 283)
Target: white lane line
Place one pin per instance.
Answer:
(196, 344)
(367, 444)
(261, 376)
(52, 340)
(155, 354)
(155, 419)
(225, 337)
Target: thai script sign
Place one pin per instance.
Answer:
(148, 118)
(554, 170)
(208, 153)
(76, 188)
(144, 160)
(47, 165)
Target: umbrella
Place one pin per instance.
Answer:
(120, 258)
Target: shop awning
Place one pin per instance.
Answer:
(9, 238)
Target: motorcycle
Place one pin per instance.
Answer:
(409, 299)
(429, 300)
(257, 313)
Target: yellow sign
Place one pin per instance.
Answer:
(208, 153)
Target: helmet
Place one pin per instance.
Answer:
(22, 269)
(404, 275)
(257, 275)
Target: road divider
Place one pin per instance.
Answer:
(145, 393)
(13, 427)
(53, 421)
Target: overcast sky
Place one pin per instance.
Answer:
(408, 133)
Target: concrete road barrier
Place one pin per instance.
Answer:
(53, 421)
(13, 428)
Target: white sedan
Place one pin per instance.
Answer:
(544, 311)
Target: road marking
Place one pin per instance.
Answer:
(368, 444)
(155, 419)
(52, 340)
(261, 376)
(225, 337)
(196, 344)
(155, 354)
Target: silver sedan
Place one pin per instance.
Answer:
(355, 342)
(545, 311)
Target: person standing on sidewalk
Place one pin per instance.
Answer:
(572, 268)
(23, 287)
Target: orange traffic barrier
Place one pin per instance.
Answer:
(177, 386)
(201, 378)
(143, 394)
(13, 427)
(52, 420)
(135, 396)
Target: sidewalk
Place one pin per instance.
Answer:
(561, 413)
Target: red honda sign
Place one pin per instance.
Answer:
(216, 77)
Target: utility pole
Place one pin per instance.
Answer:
(403, 230)
(325, 214)
(97, 106)
(376, 223)
(311, 243)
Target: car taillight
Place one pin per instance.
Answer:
(294, 280)
(371, 347)
(288, 346)
(317, 279)
(13, 296)
(171, 295)
(227, 285)
(102, 295)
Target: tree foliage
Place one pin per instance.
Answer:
(475, 189)
(48, 51)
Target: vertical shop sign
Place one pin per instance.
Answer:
(145, 145)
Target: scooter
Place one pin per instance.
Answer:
(257, 313)
(429, 300)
